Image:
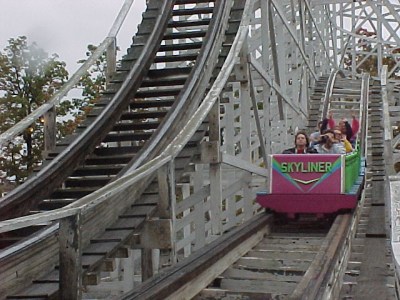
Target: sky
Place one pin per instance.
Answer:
(66, 27)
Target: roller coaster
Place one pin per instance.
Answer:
(152, 192)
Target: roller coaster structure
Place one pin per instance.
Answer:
(241, 77)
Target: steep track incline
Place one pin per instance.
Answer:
(141, 112)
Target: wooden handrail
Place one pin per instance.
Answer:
(96, 198)
(50, 176)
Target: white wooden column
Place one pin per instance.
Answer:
(229, 147)
(265, 43)
(211, 153)
(186, 230)
(246, 121)
(199, 219)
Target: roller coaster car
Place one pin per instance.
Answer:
(320, 184)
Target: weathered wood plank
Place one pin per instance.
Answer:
(283, 247)
(372, 281)
(271, 264)
(234, 273)
(303, 255)
(70, 258)
(257, 286)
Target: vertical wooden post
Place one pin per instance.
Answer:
(275, 55)
(166, 211)
(199, 220)
(147, 263)
(111, 56)
(246, 120)
(266, 94)
(229, 148)
(186, 230)
(70, 258)
(215, 169)
(166, 182)
(50, 130)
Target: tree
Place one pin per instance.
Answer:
(92, 84)
(28, 78)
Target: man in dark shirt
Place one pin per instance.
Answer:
(301, 143)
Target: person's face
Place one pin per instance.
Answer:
(342, 127)
(330, 135)
(327, 139)
(338, 135)
(301, 140)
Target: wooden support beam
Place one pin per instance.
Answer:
(147, 263)
(92, 278)
(70, 258)
(215, 170)
(50, 130)
(111, 56)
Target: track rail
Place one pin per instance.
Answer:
(136, 129)
(132, 108)
(247, 260)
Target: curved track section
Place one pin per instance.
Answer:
(159, 83)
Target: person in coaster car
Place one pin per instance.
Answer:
(329, 145)
(344, 126)
(301, 145)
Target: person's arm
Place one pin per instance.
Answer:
(347, 146)
(355, 125)
(331, 121)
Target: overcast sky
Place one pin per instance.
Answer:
(66, 27)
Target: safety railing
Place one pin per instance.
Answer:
(80, 211)
(352, 169)
(224, 205)
(392, 184)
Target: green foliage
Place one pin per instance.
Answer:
(92, 85)
(28, 78)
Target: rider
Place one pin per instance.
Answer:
(301, 145)
(328, 144)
